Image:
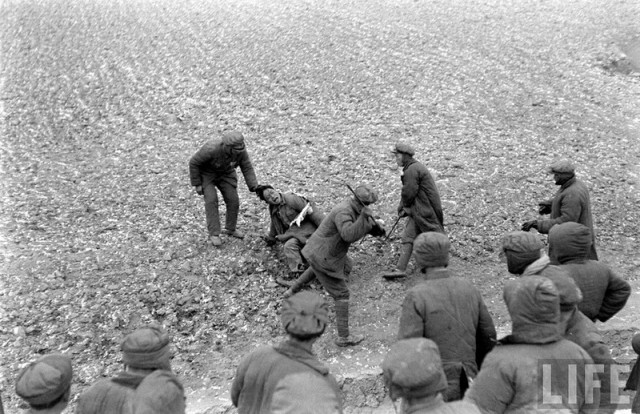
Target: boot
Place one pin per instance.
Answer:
(342, 321)
(305, 278)
(235, 233)
(215, 241)
(403, 262)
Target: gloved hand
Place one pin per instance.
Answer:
(377, 230)
(531, 224)
(199, 190)
(544, 207)
(402, 213)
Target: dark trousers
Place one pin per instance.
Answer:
(228, 186)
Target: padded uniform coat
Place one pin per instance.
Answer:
(284, 213)
(216, 159)
(270, 380)
(571, 203)
(111, 396)
(327, 248)
(420, 198)
(513, 374)
(451, 312)
(604, 293)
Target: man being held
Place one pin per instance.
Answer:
(412, 371)
(214, 166)
(293, 221)
(46, 384)
(571, 203)
(419, 201)
(288, 378)
(143, 352)
(450, 311)
(327, 248)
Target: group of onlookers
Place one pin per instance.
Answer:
(447, 358)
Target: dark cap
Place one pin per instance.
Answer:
(562, 167)
(403, 148)
(366, 194)
(45, 380)
(413, 368)
(305, 314)
(147, 348)
(431, 249)
(231, 138)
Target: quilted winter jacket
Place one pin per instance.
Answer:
(451, 312)
(326, 249)
(216, 159)
(110, 396)
(582, 331)
(571, 203)
(603, 292)
(266, 382)
(284, 213)
(420, 197)
(535, 354)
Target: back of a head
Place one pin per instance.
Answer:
(534, 306)
(147, 348)
(521, 249)
(159, 393)
(413, 369)
(570, 241)
(431, 249)
(46, 381)
(305, 315)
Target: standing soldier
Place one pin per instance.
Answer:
(451, 312)
(214, 165)
(288, 377)
(419, 201)
(326, 252)
(571, 203)
(293, 221)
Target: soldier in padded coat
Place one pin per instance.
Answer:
(450, 311)
(534, 369)
(419, 202)
(214, 166)
(604, 292)
(327, 248)
(288, 377)
(571, 203)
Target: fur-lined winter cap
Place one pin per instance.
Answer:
(562, 167)
(305, 314)
(413, 368)
(403, 148)
(431, 249)
(147, 348)
(231, 138)
(45, 380)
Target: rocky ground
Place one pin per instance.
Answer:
(103, 102)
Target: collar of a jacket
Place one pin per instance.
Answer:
(426, 404)
(292, 350)
(568, 183)
(128, 379)
(537, 266)
(408, 163)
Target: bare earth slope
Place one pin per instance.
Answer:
(103, 102)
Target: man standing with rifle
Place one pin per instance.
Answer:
(327, 248)
(419, 202)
